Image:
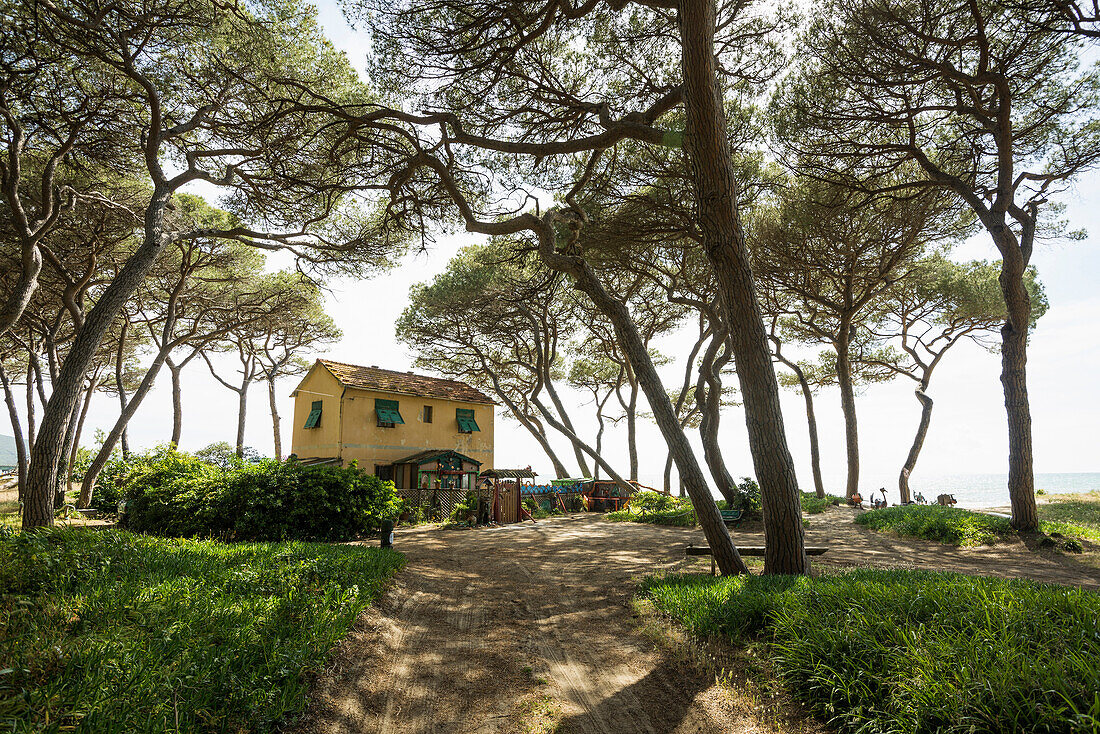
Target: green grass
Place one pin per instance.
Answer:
(104, 631)
(911, 651)
(814, 505)
(1075, 515)
(932, 522)
(683, 517)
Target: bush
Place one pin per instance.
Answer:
(747, 496)
(933, 522)
(177, 494)
(105, 631)
(813, 505)
(912, 651)
(656, 509)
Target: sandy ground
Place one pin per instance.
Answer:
(530, 628)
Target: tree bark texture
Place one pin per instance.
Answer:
(120, 385)
(715, 189)
(1021, 477)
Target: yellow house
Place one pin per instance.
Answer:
(419, 431)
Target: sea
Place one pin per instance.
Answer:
(991, 490)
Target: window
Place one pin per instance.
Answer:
(466, 422)
(427, 414)
(387, 412)
(314, 419)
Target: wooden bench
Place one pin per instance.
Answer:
(731, 516)
(745, 550)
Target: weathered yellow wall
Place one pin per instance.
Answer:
(366, 442)
(323, 441)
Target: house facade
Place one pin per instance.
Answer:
(410, 428)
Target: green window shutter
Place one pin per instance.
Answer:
(466, 422)
(314, 418)
(387, 411)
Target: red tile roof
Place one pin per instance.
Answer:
(405, 383)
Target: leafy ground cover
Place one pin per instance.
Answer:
(105, 631)
(814, 505)
(657, 509)
(933, 522)
(910, 651)
(1075, 515)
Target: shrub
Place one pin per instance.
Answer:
(656, 509)
(747, 496)
(177, 494)
(932, 522)
(813, 505)
(912, 651)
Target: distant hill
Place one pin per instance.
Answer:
(7, 452)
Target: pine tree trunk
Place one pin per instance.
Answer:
(16, 431)
(64, 468)
(707, 146)
(80, 424)
(668, 474)
(708, 395)
(109, 443)
(632, 430)
(275, 419)
(242, 408)
(848, 406)
(580, 445)
(177, 403)
(811, 422)
(918, 443)
(121, 389)
(31, 428)
(47, 452)
(578, 451)
(1021, 478)
(710, 519)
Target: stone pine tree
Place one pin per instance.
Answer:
(291, 333)
(567, 104)
(992, 102)
(825, 255)
(940, 304)
(197, 83)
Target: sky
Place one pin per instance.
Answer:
(968, 434)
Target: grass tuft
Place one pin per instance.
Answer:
(912, 651)
(112, 632)
(944, 524)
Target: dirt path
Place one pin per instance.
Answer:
(528, 628)
(521, 628)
